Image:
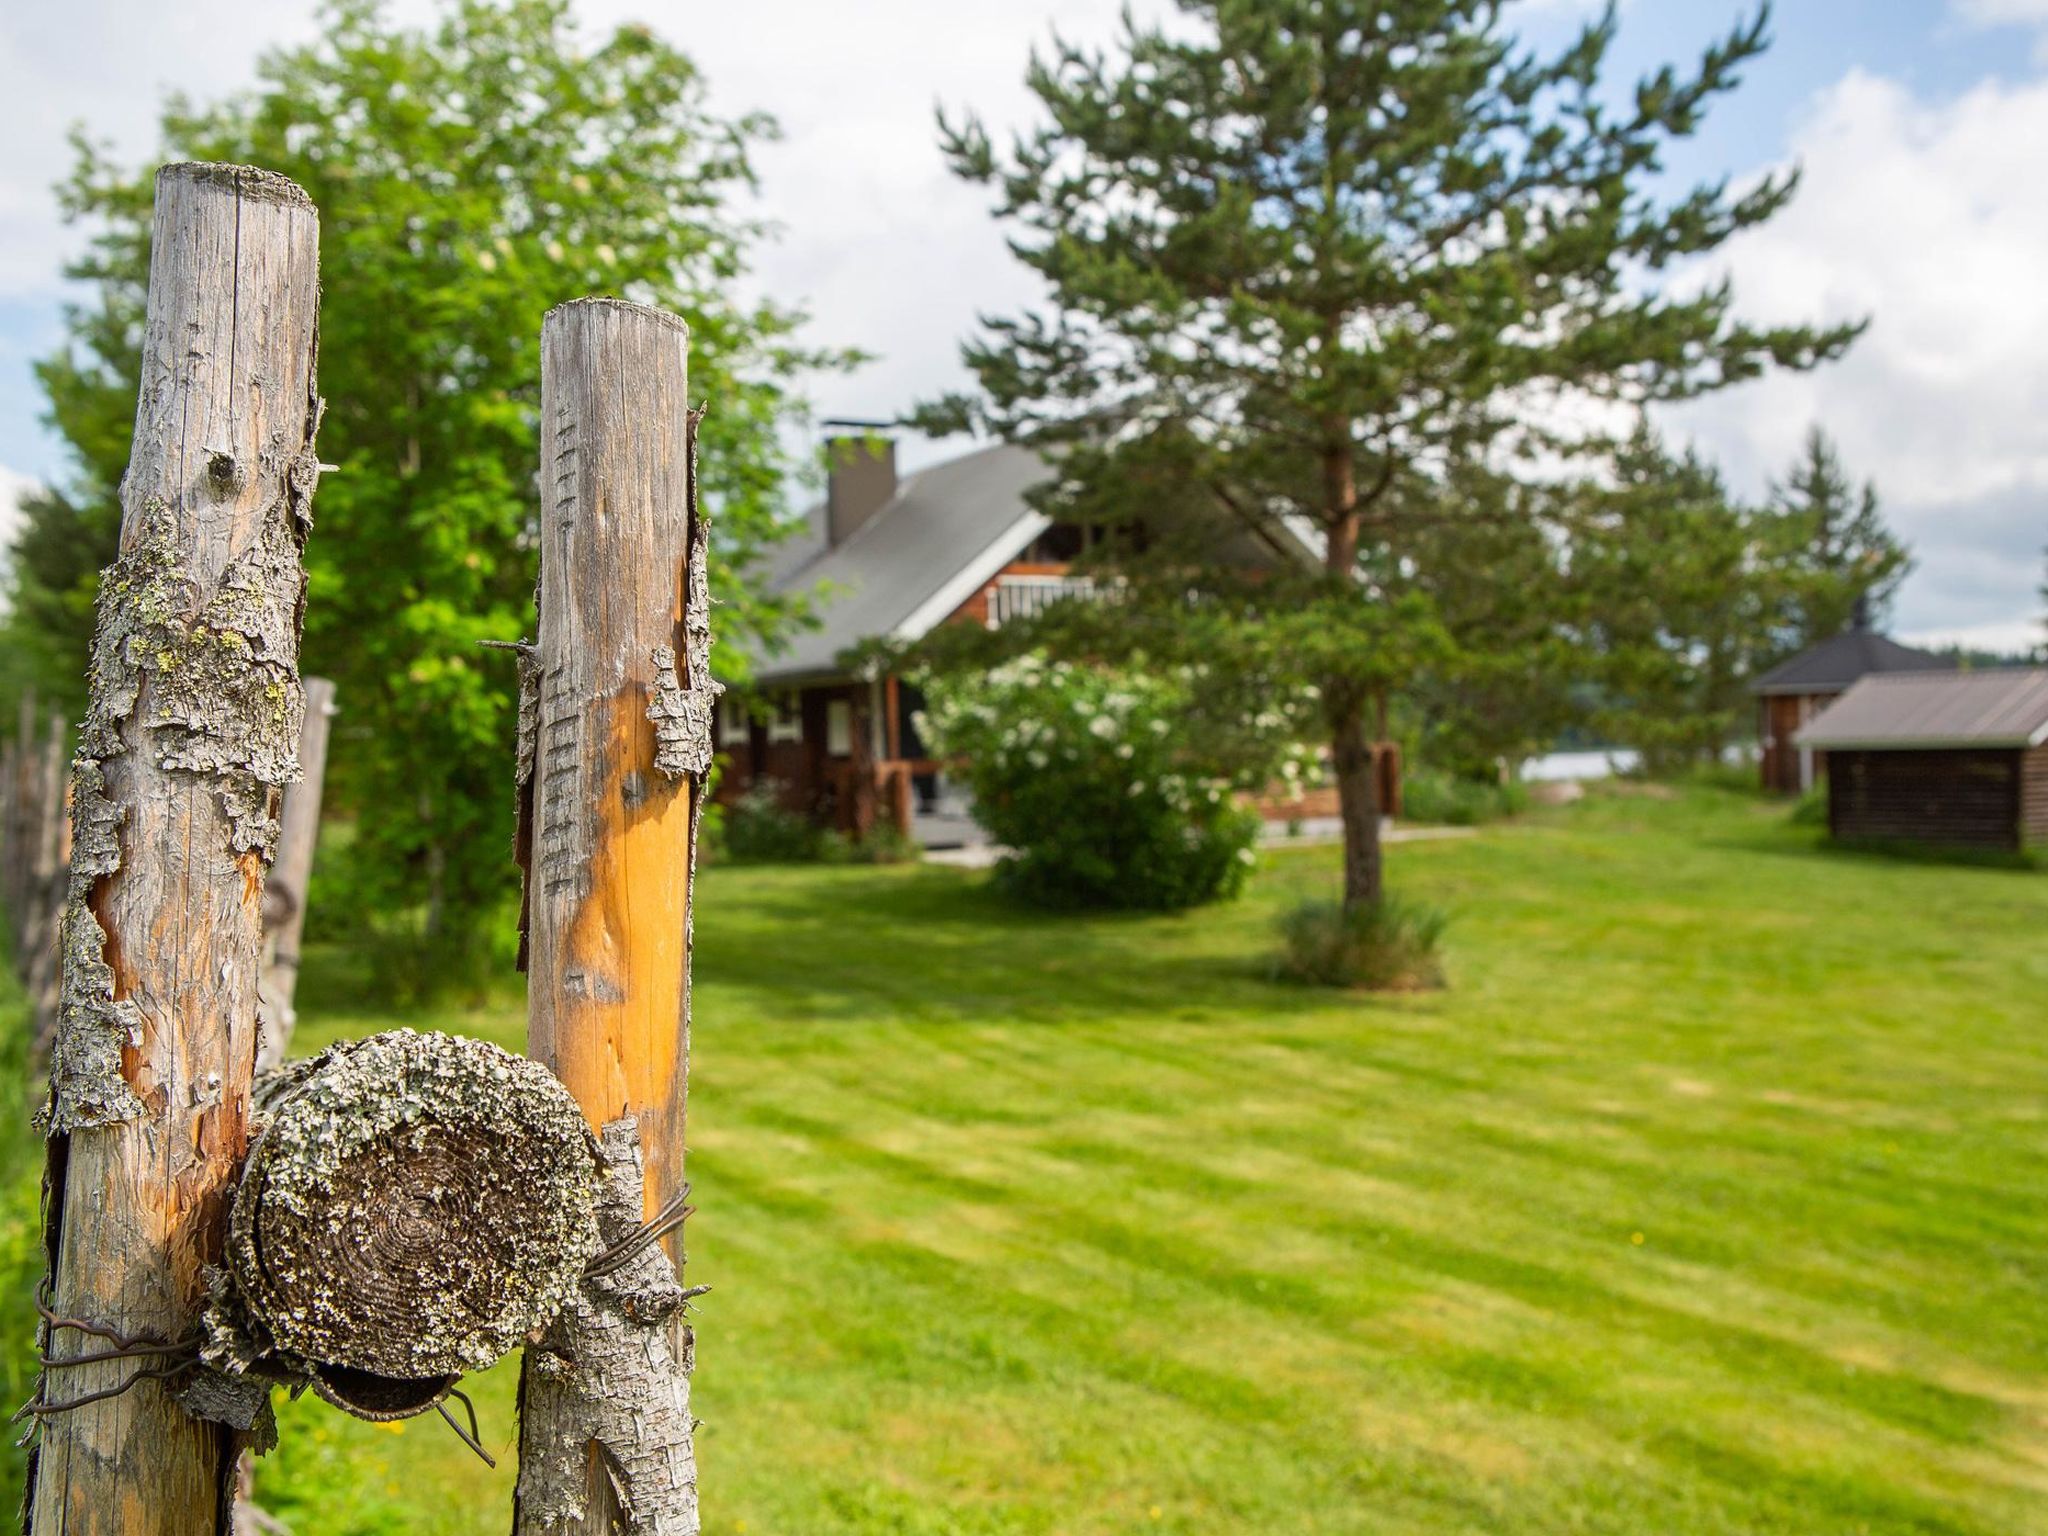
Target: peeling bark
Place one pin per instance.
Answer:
(612, 773)
(610, 1376)
(186, 746)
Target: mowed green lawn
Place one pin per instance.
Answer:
(1712, 1196)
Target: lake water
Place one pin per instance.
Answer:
(1599, 764)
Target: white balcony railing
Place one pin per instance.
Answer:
(1019, 597)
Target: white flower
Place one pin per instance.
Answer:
(1102, 726)
(1124, 750)
(1246, 856)
(1137, 788)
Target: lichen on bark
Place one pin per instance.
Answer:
(607, 1378)
(219, 698)
(414, 1207)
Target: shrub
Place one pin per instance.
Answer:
(1387, 947)
(1089, 776)
(757, 829)
(1810, 809)
(1430, 795)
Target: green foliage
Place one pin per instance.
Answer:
(756, 829)
(1670, 571)
(1304, 259)
(1492, 560)
(1389, 946)
(1090, 776)
(1810, 809)
(1432, 795)
(469, 177)
(1832, 556)
(21, 1222)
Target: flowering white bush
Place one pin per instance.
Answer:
(1089, 775)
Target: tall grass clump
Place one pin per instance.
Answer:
(1388, 946)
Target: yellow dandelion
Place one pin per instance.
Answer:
(1636, 1238)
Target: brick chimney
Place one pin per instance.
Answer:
(860, 476)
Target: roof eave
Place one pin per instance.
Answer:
(1922, 744)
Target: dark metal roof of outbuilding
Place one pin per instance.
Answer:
(1997, 707)
(1834, 664)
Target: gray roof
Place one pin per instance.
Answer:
(1834, 664)
(948, 530)
(1997, 707)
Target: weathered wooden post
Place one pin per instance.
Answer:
(46, 884)
(615, 743)
(290, 877)
(183, 754)
(22, 820)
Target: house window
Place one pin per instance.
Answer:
(785, 721)
(839, 727)
(732, 721)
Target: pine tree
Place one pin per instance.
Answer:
(1842, 565)
(1674, 580)
(1305, 256)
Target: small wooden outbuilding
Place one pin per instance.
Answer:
(1955, 759)
(1793, 693)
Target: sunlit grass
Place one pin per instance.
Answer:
(1709, 1197)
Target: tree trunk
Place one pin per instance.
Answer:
(1358, 800)
(1359, 804)
(615, 746)
(291, 876)
(184, 752)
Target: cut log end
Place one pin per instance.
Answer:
(416, 1206)
(249, 181)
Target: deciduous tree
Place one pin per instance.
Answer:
(470, 176)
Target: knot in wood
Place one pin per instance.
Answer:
(415, 1206)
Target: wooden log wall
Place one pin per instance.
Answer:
(1958, 799)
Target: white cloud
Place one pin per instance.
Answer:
(13, 488)
(1992, 13)
(1925, 218)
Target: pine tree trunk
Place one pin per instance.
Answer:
(615, 743)
(184, 752)
(1358, 804)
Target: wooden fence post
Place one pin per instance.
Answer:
(21, 827)
(615, 743)
(183, 754)
(291, 877)
(47, 882)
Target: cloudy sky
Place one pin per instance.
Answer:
(1922, 126)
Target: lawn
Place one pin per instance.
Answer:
(1712, 1196)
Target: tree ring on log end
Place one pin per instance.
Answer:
(416, 1206)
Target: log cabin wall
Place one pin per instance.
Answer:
(1780, 716)
(2034, 797)
(1964, 798)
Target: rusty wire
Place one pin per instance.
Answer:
(471, 1437)
(631, 1246)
